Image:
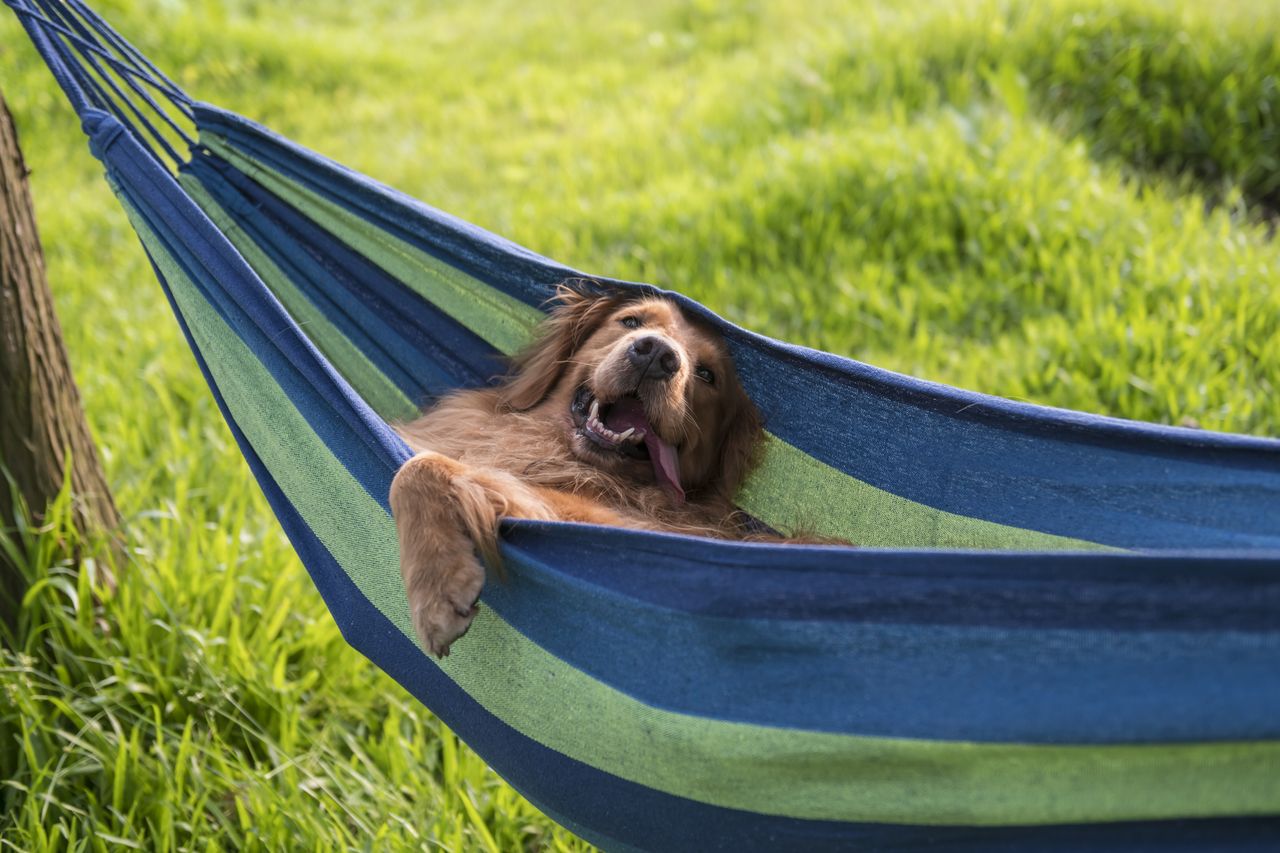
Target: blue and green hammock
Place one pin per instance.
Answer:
(1062, 630)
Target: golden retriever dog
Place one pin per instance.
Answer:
(626, 411)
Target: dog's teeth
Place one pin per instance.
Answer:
(625, 435)
(595, 410)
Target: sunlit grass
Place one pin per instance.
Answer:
(1062, 201)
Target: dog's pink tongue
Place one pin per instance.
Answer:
(627, 413)
(666, 464)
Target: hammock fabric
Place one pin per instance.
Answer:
(1062, 631)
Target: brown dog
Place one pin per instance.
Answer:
(625, 412)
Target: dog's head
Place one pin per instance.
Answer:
(643, 391)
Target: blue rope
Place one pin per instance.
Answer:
(85, 43)
(179, 99)
(90, 65)
(51, 51)
(82, 51)
(121, 101)
(146, 68)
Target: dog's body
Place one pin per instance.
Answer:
(626, 412)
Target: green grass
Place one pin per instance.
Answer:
(1062, 201)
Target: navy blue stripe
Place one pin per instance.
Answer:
(863, 674)
(459, 356)
(417, 337)
(379, 343)
(1106, 591)
(1038, 471)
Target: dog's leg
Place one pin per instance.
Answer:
(445, 511)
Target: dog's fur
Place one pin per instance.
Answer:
(525, 448)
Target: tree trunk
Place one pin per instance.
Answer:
(41, 422)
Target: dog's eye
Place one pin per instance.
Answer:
(630, 322)
(705, 374)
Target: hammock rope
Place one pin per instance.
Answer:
(1063, 632)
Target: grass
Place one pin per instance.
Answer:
(1061, 201)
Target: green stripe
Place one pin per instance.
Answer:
(383, 395)
(503, 321)
(769, 770)
(790, 490)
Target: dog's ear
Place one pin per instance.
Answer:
(740, 444)
(535, 371)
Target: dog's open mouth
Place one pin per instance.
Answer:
(622, 427)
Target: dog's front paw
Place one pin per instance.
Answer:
(444, 511)
(444, 600)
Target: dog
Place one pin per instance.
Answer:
(626, 411)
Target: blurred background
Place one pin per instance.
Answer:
(1067, 202)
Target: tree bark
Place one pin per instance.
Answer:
(41, 421)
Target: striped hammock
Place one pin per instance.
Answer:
(1062, 630)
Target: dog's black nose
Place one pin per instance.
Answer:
(653, 357)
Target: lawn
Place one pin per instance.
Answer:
(1068, 202)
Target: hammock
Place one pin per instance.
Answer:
(1062, 630)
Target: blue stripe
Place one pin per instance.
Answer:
(1130, 486)
(738, 660)
(1104, 591)
(383, 347)
(403, 333)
